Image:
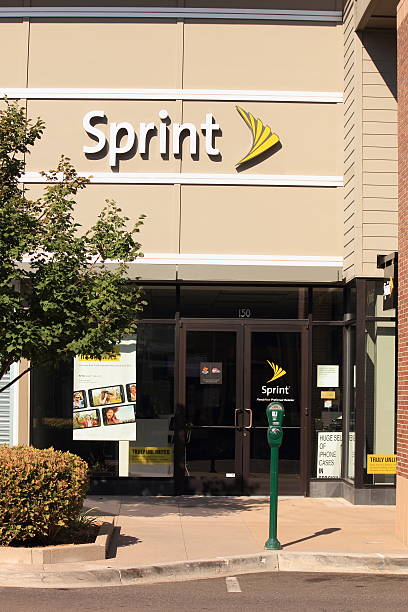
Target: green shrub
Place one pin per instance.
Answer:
(41, 493)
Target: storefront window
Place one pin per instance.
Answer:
(244, 302)
(116, 413)
(327, 410)
(380, 400)
(161, 302)
(151, 454)
(328, 304)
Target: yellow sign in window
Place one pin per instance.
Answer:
(328, 394)
(381, 464)
(151, 455)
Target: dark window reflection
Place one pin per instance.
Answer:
(328, 304)
(244, 302)
(155, 370)
(161, 302)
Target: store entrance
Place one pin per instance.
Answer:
(229, 373)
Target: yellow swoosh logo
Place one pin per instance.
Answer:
(277, 371)
(262, 136)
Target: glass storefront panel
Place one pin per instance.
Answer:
(161, 302)
(276, 367)
(328, 303)
(380, 398)
(151, 455)
(327, 408)
(244, 302)
(98, 435)
(211, 411)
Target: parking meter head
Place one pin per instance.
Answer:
(275, 413)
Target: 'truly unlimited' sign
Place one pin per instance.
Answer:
(121, 138)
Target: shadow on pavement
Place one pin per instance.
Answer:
(327, 531)
(119, 541)
(152, 507)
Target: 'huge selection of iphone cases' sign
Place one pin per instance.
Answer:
(104, 400)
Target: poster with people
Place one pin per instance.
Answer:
(104, 398)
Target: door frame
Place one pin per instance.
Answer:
(243, 328)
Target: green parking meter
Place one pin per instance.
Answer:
(275, 413)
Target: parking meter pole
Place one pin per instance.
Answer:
(272, 543)
(274, 413)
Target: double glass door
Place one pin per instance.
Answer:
(229, 374)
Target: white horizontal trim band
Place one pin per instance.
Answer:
(223, 95)
(240, 260)
(215, 259)
(174, 178)
(170, 13)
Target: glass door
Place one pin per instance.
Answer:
(213, 410)
(229, 372)
(275, 361)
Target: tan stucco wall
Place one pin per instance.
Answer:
(279, 56)
(24, 404)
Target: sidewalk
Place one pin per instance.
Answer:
(180, 538)
(163, 529)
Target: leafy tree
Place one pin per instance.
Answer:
(60, 295)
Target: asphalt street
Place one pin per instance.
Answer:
(284, 592)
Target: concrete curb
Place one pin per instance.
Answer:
(68, 553)
(97, 576)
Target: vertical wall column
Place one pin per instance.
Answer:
(402, 416)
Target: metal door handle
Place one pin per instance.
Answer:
(237, 410)
(250, 418)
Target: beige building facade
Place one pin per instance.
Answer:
(269, 261)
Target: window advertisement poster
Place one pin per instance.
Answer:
(381, 464)
(104, 399)
(329, 454)
(151, 455)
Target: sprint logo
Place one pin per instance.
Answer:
(273, 392)
(277, 371)
(263, 138)
(167, 137)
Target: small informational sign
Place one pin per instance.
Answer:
(381, 464)
(328, 375)
(329, 454)
(151, 455)
(211, 373)
(328, 395)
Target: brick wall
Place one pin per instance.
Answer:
(402, 428)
